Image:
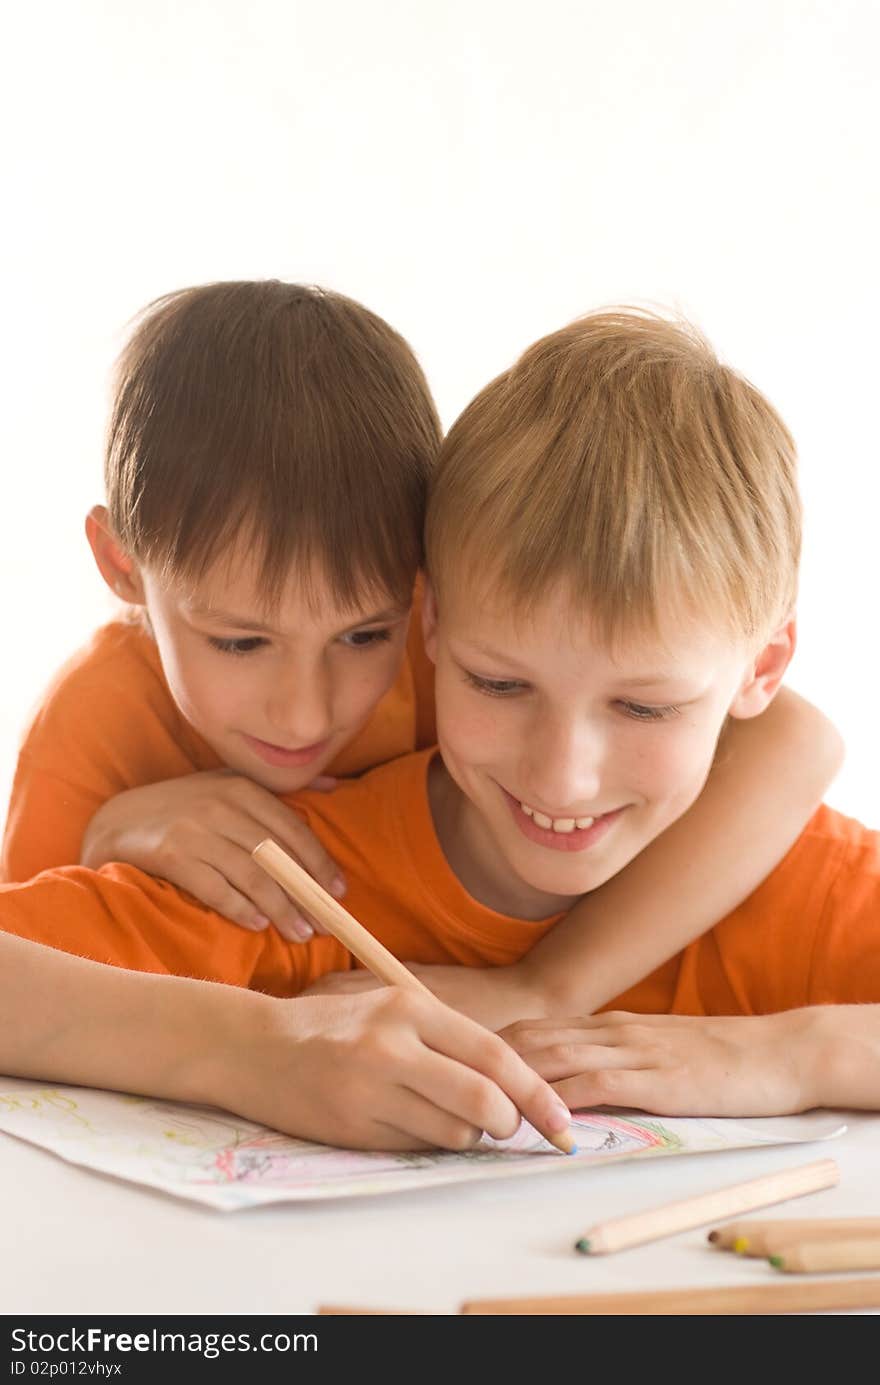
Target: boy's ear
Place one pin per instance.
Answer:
(118, 569)
(766, 673)
(429, 620)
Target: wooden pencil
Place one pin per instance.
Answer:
(291, 876)
(337, 920)
(817, 1257)
(755, 1237)
(639, 1227)
(806, 1296)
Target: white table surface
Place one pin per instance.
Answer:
(79, 1242)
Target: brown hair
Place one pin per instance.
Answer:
(621, 456)
(282, 413)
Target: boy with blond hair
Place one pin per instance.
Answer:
(268, 455)
(582, 688)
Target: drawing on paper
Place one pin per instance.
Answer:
(215, 1158)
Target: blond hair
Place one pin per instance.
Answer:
(620, 456)
(282, 415)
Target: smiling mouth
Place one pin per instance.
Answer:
(560, 834)
(282, 755)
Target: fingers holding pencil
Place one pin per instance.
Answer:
(384, 1071)
(480, 1054)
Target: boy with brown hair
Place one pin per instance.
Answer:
(582, 688)
(267, 461)
(258, 430)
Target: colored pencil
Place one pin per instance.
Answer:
(763, 1238)
(812, 1257)
(360, 943)
(806, 1296)
(697, 1211)
(337, 920)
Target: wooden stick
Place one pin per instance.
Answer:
(634, 1230)
(808, 1296)
(810, 1257)
(360, 943)
(338, 921)
(763, 1238)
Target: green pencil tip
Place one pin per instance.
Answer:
(583, 1246)
(777, 1261)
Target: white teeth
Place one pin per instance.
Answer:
(556, 824)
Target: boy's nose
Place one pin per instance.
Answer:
(299, 708)
(565, 768)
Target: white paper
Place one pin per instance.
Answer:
(226, 1162)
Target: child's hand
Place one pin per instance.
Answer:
(391, 1069)
(677, 1065)
(493, 996)
(199, 832)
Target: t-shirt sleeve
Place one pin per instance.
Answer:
(125, 918)
(93, 736)
(845, 966)
(46, 820)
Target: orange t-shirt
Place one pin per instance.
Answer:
(108, 723)
(810, 933)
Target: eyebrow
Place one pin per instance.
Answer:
(644, 681)
(494, 654)
(652, 680)
(216, 617)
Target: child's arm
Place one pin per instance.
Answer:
(386, 1071)
(684, 1065)
(768, 778)
(196, 831)
(199, 831)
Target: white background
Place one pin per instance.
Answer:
(478, 172)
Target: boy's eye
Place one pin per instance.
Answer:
(639, 712)
(365, 639)
(243, 646)
(494, 687)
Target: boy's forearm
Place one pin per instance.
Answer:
(839, 1055)
(73, 1020)
(768, 779)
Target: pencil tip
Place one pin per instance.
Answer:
(713, 1236)
(583, 1246)
(741, 1245)
(564, 1142)
(777, 1261)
